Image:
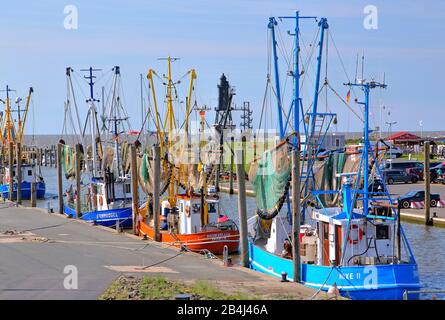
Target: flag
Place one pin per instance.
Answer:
(348, 97)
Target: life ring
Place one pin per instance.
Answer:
(101, 200)
(360, 234)
(187, 211)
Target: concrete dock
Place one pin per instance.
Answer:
(36, 247)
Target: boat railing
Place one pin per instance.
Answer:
(407, 292)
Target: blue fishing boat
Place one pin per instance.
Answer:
(106, 197)
(350, 237)
(28, 176)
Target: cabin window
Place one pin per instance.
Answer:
(382, 232)
(29, 172)
(181, 207)
(127, 188)
(212, 207)
(196, 207)
(337, 142)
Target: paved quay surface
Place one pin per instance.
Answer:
(32, 262)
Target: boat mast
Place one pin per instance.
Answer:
(271, 26)
(170, 121)
(366, 146)
(92, 115)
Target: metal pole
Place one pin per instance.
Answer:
(232, 155)
(242, 208)
(156, 190)
(296, 217)
(11, 171)
(59, 177)
(271, 26)
(366, 152)
(78, 170)
(19, 173)
(426, 174)
(134, 187)
(399, 247)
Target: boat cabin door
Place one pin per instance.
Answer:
(325, 242)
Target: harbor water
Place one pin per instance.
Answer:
(427, 243)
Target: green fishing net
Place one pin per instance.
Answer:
(270, 176)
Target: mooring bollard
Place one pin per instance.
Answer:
(118, 226)
(183, 296)
(284, 277)
(226, 259)
(50, 208)
(33, 194)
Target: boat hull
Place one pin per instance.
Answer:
(26, 190)
(377, 282)
(213, 241)
(107, 218)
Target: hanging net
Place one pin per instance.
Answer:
(270, 176)
(69, 161)
(146, 172)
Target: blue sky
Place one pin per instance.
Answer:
(224, 36)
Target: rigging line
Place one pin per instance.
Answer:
(264, 100)
(282, 47)
(283, 110)
(76, 79)
(309, 62)
(79, 123)
(348, 105)
(341, 62)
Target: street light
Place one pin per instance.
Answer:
(421, 128)
(390, 124)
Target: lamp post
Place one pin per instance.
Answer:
(421, 128)
(390, 124)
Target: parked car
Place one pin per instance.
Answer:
(403, 165)
(436, 172)
(376, 186)
(416, 196)
(393, 176)
(417, 171)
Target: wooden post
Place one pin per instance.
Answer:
(156, 190)
(296, 215)
(232, 155)
(59, 177)
(19, 173)
(11, 171)
(51, 156)
(78, 170)
(134, 187)
(33, 194)
(426, 175)
(399, 245)
(242, 211)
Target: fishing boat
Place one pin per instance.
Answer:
(351, 239)
(10, 134)
(190, 215)
(29, 176)
(107, 192)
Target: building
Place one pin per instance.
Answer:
(331, 141)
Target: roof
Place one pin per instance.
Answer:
(404, 136)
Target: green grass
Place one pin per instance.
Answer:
(159, 288)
